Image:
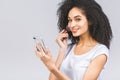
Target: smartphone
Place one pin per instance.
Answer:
(40, 40)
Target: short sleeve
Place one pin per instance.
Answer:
(102, 49)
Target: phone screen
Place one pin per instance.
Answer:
(40, 40)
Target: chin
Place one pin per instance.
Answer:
(76, 35)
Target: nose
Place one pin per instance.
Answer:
(73, 23)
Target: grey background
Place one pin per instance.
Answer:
(20, 20)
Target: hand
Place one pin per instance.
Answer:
(62, 39)
(45, 57)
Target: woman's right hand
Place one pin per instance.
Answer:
(62, 39)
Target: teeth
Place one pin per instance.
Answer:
(74, 30)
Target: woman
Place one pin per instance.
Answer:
(90, 34)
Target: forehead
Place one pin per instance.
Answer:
(75, 12)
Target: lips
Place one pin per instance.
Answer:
(75, 30)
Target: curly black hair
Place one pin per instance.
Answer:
(100, 28)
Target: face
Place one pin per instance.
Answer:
(77, 22)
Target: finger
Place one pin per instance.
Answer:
(42, 47)
(63, 31)
(37, 53)
(47, 50)
(63, 35)
(40, 55)
(39, 47)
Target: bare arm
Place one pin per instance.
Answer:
(47, 58)
(57, 64)
(49, 63)
(95, 68)
(61, 40)
(59, 75)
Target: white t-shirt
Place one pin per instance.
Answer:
(74, 66)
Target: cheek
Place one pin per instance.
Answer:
(83, 26)
(83, 23)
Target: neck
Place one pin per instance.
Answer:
(87, 42)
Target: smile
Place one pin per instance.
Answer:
(75, 30)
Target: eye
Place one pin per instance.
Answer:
(77, 19)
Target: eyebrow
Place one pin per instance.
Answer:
(75, 16)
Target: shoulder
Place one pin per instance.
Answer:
(101, 50)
